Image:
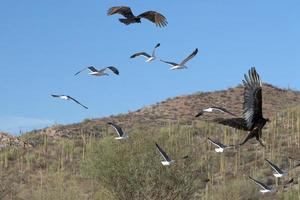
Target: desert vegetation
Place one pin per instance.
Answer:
(91, 167)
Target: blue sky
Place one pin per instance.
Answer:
(43, 43)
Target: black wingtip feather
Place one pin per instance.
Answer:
(199, 114)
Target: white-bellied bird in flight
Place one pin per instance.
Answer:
(212, 109)
(166, 159)
(130, 18)
(146, 55)
(101, 72)
(278, 172)
(67, 97)
(264, 188)
(119, 131)
(220, 147)
(182, 64)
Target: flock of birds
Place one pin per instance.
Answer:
(252, 120)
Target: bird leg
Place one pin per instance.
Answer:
(259, 139)
(261, 142)
(249, 136)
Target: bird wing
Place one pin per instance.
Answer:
(92, 69)
(80, 71)
(223, 110)
(163, 153)
(296, 166)
(170, 63)
(114, 70)
(289, 183)
(154, 17)
(238, 123)
(144, 54)
(153, 52)
(252, 98)
(77, 102)
(55, 95)
(111, 68)
(274, 167)
(199, 113)
(117, 128)
(192, 55)
(122, 10)
(216, 143)
(265, 187)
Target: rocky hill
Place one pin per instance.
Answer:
(83, 161)
(9, 140)
(183, 109)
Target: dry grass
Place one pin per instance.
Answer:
(87, 163)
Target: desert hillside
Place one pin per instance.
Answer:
(183, 109)
(84, 161)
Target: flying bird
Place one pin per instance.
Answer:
(130, 18)
(212, 109)
(253, 120)
(101, 72)
(221, 147)
(146, 55)
(119, 131)
(278, 173)
(265, 188)
(182, 64)
(167, 160)
(67, 97)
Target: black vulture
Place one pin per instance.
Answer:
(253, 120)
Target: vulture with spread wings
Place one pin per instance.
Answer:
(253, 120)
(130, 18)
